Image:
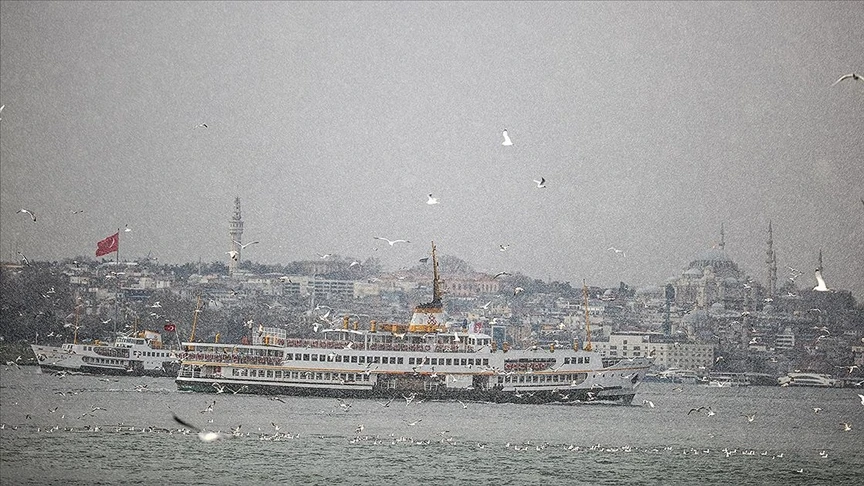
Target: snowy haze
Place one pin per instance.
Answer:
(652, 123)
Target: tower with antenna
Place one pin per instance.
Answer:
(235, 230)
(771, 263)
(722, 244)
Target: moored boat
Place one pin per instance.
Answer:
(808, 379)
(424, 359)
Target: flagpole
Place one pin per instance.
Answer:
(118, 246)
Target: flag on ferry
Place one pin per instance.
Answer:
(108, 245)
(170, 327)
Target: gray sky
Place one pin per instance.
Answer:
(653, 123)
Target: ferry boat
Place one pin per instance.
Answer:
(807, 379)
(140, 354)
(424, 359)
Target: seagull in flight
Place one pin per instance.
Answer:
(503, 247)
(821, 287)
(203, 435)
(750, 417)
(432, 200)
(862, 398)
(22, 210)
(506, 138)
(127, 229)
(616, 250)
(247, 244)
(517, 290)
(846, 426)
(854, 76)
(500, 274)
(541, 184)
(392, 242)
(201, 125)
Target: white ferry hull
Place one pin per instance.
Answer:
(490, 377)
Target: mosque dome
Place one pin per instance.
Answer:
(717, 308)
(694, 272)
(768, 309)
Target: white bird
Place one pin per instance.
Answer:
(24, 258)
(506, 138)
(32, 215)
(503, 247)
(392, 242)
(1, 109)
(201, 125)
(219, 388)
(486, 305)
(517, 290)
(821, 287)
(854, 76)
(500, 274)
(127, 229)
(432, 200)
(750, 417)
(203, 435)
(616, 250)
(862, 398)
(323, 255)
(234, 254)
(355, 262)
(541, 184)
(846, 426)
(463, 404)
(648, 402)
(247, 244)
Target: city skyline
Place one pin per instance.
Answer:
(651, 125)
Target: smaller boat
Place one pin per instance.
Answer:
(721, 379)
(808, 379)
(136, 355)
(674, 375)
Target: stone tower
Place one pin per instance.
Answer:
(235, 229)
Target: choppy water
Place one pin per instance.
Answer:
(318, 442)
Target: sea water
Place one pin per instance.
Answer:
(55, 431)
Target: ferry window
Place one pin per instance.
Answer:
(322, 357)
(410, 361)
(318, 376)
(613, 347)
(434, 361)
(362, 359)
(305, 357)
(269, 373)
(244, 372)
(377, 359)
(449, 361)
(464, 361)
(555, 378)
(353, 359)
(625, 341)
(393, 360)
(500, 379)
(399, 361)
(471, 361)
(636, 347)
(535, 379)
(637, 353)
(521, 379)
(289, 356)
(314, 357)
(485, 361)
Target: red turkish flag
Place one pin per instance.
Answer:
(108, 245)
(169, 327)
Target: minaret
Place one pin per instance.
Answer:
(771, 262)
(235, 229)
(722, 238)
(819, 265)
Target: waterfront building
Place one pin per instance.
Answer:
(235, 231)
(666, 353)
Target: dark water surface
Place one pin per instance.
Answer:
(138, 442)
